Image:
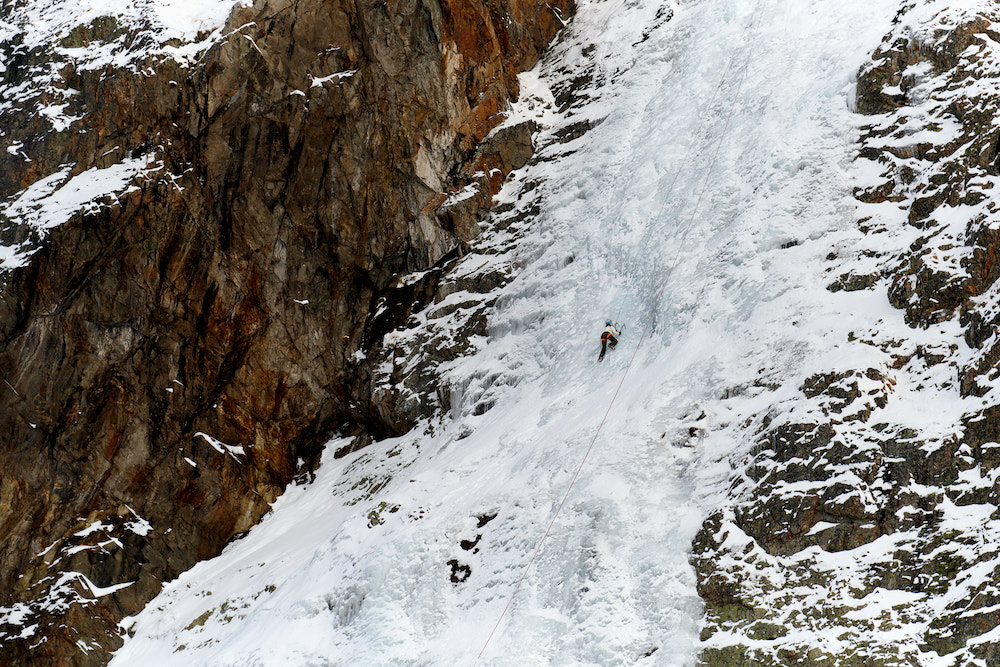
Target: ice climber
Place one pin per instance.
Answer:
(608, 336)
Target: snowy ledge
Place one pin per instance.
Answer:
(53, 200)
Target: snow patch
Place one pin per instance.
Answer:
(234, 451)
(53, 200)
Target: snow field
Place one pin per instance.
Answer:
(722, 137)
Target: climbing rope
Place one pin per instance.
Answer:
(691, 149)
(755, 24)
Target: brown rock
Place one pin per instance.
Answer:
(172, 361)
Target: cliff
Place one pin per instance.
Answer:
(204, 237)
(877, 484)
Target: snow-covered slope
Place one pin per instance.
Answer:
(44, 45)
(705, 206)
(865, 528)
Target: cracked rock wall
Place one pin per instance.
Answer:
(173, 356)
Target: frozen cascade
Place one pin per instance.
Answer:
(357, 567)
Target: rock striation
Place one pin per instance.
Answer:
(205, 243)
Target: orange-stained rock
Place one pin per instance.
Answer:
(176, 359)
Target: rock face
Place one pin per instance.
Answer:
(869, 509)
(174, 354)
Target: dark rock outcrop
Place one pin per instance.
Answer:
(866, 510)
(172, 358)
